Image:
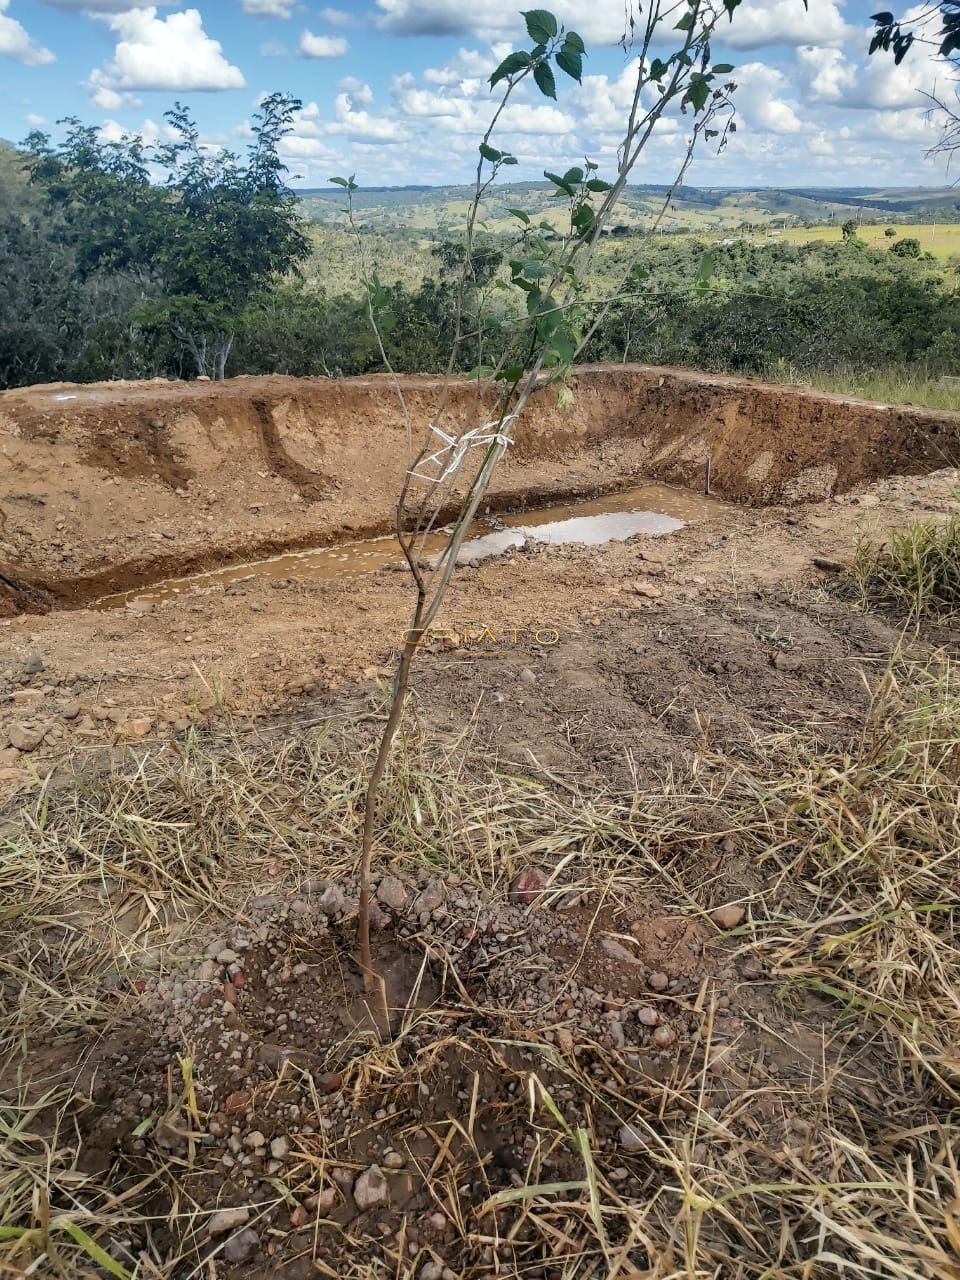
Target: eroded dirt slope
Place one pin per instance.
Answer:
(117, 484)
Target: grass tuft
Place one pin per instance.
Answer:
(917, 568)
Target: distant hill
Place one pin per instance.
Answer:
(697, 209)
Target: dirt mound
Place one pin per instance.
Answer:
(118, 484)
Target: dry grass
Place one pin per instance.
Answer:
(815, 1135)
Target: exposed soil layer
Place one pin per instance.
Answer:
(114, 485)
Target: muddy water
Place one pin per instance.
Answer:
(649, 509)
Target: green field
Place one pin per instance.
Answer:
(939, 238)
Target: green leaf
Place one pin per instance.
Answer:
(573, 177)
(511, 374)
(598, 184)
(545, 80)
(698, 93)
(722, 68)
(541, 25)
(91, 1248)
(511, 64)
(481, 371)
(144, 1126)
(490, 153)
(583, 218)
(347, 183)
(658, 69)
(521, 214)
(685, 23)
(571, 62)
(730, 6)
(535, 270)
(510, 160)
(572, 41)
(559, 182)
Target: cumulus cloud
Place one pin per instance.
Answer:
(759, 99)
(17, 44)
(106, 6)
(312, 46)
(363, 125)
(171, 53)
(757, 23)
(826, 72)
(358, 91)
(601, 23)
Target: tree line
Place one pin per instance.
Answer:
(123, 261)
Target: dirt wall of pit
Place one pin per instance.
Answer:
(111, 485)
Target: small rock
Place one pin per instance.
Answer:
(527, 676)
(786, 661)
(827, 566)
(527, 887)
(664, 1037)
(70, 709)
(430, 899)
(240, 1248)
(255, 1140)
(300, 1217)
(658, 982)
(393, 1160)
(140, 606)
(25, 737)
(280, 1148)
(617, 951)
(370, 1189)
(648, 1016)
(631, 1139)
(225, 1220)
(322, 1202)
(34, 663)
(139, 727)
(391, 893)
(728, 917)
(646, 589)
(564, 1040)
(332, 900)
(431, 1271)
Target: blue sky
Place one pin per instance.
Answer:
(395, 90)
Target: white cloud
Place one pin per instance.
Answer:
(361, 125)
(171, 53)
(757, 23)
(17, 44)
(273, 49)
(35, 121)
(358, 91)
(602, 23)
(110, 100)
(827, 73)
(312, 46)
(269, 8)
(758, 87)
(337, 17)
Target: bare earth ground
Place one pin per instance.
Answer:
(615, 1047)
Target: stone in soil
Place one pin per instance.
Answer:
(225, 1220)
(729, 916)
(26, 737)
(241, 1247)
(617, 951)
(631, 1139)
(527, 887)
(659, 981)
(370, 1189)
(391, 893)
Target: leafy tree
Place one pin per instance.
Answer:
(890, 232)
(206, 246)
(849, 229)
(908, 247)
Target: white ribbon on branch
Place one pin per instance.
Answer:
(459, 446)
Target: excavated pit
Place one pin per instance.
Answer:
(114, 487)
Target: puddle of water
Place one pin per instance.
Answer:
(650, 509)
